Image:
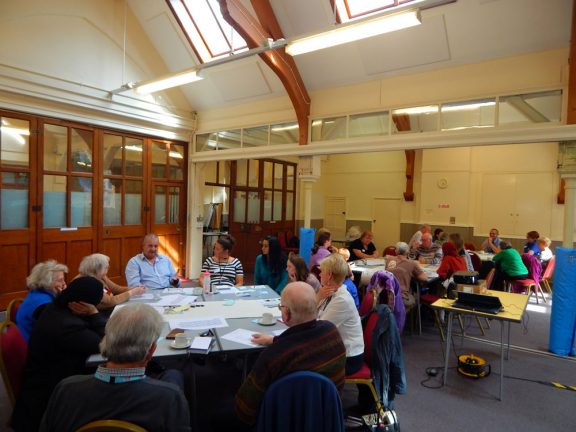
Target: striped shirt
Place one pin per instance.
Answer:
(223, 273)
(312, 346)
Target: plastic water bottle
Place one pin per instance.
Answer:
(207, 282)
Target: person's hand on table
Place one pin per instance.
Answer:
(137, 290)
(262, 339)
(82, 308)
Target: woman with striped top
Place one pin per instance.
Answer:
(224, 269)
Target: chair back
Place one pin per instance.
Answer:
(386, 288)
(13, 353)
(12, 310)
(476, 261)
(469, 246)
(490, 277)
(111, 426)
(390, 250)
(301, 401)
(534, 267)
(549, 271)
(369, 325)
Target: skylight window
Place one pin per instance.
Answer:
(209, 34)
(351, 9)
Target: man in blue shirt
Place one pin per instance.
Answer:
(149, 268)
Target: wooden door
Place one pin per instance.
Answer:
(335, 217)
(385, 222)
(68, 219)
(168, 200)
(123, 200)
(18, 203)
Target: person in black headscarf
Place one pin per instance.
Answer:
(67, 332)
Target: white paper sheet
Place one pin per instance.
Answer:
(200, 323)
(241, 336)
(143, 297)
(201, 343)
(227, 289)
(175, 300)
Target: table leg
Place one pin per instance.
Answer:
(508, 350)
(447, 350)
(502, 358)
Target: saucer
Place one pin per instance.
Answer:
(265, 324)
(174, 346)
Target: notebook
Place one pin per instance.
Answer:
(478, 302)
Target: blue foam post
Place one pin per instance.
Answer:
(306, 243)
(563, 317)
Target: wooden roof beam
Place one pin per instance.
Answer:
(254, 31)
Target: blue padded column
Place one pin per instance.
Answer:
(306, 243)
(563, 318)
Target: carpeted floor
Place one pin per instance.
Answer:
(529, 402)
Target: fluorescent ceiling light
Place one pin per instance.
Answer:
(468, 106)
(430, 109)
(168, 82)
(356, 30)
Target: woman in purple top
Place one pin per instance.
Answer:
(321, 249)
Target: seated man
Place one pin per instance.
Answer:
(121, 390)
(492, 243)
(427, 252)
(308, 345)
(417, 237)
(405, 270)
(149, 268)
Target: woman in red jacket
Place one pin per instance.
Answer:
(451, 262)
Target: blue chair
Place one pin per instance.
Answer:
(303, 402)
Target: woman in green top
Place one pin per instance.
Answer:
(270, 268)
(509, 266)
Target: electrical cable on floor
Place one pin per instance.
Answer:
(546, 383)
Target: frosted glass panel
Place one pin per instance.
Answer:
(253, 207)
(112, 154)
(329, 129)
(268, 205)
(81, 202)
(469, 114)
(14, 141)
(133, 154)
(240, 206)
(133, 200)
(371, 124)
(158, 160)
(277, 206)
(160, 205)
(241, 172)
(112, 203)
(176, 161)
(289, 206)
(14, 209)
(54, 197)
(174, 205)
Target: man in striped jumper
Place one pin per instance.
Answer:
(307, 345)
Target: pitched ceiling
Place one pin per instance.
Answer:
(466, 31)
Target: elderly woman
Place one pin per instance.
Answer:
(270, 267)
(97, 265)
(298, 272)
(224, 269)
(45, 282)
(321, 249)
(335, 304)
(363, 247)
(65, 335)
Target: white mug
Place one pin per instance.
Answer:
(267, 318)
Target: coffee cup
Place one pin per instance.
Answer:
(182, 340)
(267, 319)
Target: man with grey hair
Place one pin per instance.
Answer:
(120, 389)
(307, 345)
(149, 268)
(405, 270)
(427, 252)
(417, 237)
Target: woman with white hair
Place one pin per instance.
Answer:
(97, 265)
(45, 282)
(335, 304)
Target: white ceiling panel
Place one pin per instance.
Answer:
(416, 46)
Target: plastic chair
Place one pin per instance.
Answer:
(13, 353)
(469, 246)
(284, 243)
(301, 401)
(111, 426)
(531, 285)
(12, 310)
(548, 275)
(390, 250)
